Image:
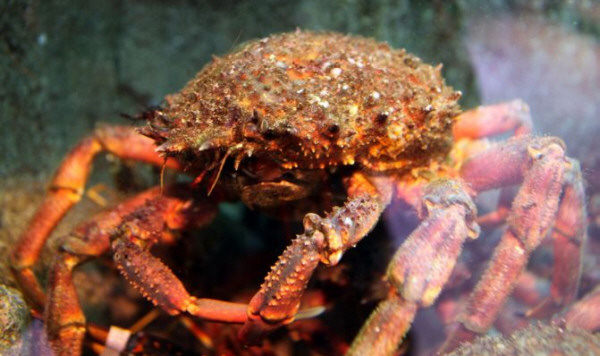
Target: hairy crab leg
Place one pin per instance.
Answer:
(449, 218)
(66, 189)
(152, 209)
(324, 239)
(543, 169)
(569, 234)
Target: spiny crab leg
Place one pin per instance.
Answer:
(449, 220)
(65, 322)
(324, 239)
(149, 212)
(66, 189)
(544, 170)
(158, 283)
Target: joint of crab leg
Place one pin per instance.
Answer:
(441, 194)
(65, 324)
(326, 236)
(439, 238)
(68, 336)
(345, 226)
(506, 164)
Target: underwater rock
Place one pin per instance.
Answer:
(539, 340)
(14, 320)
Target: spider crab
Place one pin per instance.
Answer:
(279, 122)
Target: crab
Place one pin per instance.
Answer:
(303, 121)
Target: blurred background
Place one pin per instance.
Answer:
(67, 66)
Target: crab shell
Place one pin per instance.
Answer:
(310, 100)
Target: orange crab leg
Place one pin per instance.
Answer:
(67, 188)
(149, 211)
(450, 219)
(490, 120)
(325, 240)
(158, 283)
(541, 165)
(65, 322)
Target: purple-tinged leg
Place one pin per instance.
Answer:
(420, 267)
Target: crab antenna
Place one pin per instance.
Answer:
(162, 174)
(214, 183)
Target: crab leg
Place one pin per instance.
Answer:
(450, 219)
(583, 314)
(485, 121)
(150, 210)
(569, 234)
(158, 283)
(65, 322)
(490, 120)
(544, 171)
(324, 239)
(66, 189)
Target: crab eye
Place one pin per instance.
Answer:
(381, 118)
(333, 129)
